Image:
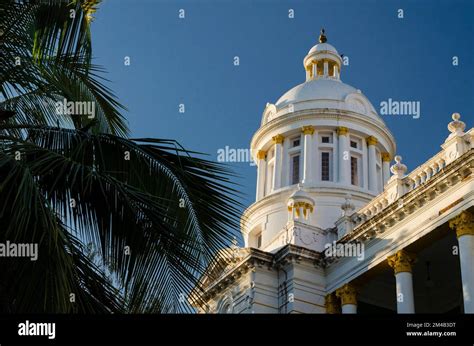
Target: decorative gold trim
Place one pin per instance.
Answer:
(463, 224)
(332, 304)
(455, 203)
(278, 139)
(401, 262)
(261, 154)
(386, 157)
(348, 294)
(304, 205)
(308, 130)
(342, 131)
(371, 140)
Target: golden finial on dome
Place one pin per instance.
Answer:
(322, 37)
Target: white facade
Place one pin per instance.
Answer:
(323, 177)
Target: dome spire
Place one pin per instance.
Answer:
(322, 36)
(323, 60)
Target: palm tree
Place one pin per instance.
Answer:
(154, 213)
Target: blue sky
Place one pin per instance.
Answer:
(191, 61)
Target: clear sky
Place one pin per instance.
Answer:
(190, 61)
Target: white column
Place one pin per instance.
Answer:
(401, 263)
(466, 258)
(308, 72)
(308, 132)
(344, 156)
(348, 296)
(261, 174)
(385, 167)
(300, 211)
(372, 163)
(349, 309)
(464, 226)
(364, 174)
(336, 72)
(316, 158)
(405, 300)
(326, 69)
(315, 69)
(278, 140)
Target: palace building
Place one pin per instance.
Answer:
(329, 177)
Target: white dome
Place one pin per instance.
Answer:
(323, 47)
(316, 89)
(302, 152)
(299, 193)
(300, 196)
(322, 93)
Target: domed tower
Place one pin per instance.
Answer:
(321, 144)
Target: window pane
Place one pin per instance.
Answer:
(354, 173)
(354, 144)
(325, 166)
(296, 142)
(295, 172)
(326, 138)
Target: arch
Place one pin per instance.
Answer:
(226, 305)
(357, 103)
(268, 113)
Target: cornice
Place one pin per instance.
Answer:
(324, 113)
(276, 197)
(291, 253)
(256, 259)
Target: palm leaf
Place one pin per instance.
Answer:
(172, 210)
(46, 57)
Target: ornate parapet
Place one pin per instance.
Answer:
(458, 142)
(371, 221)
(400, 184)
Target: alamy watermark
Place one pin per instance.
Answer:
(28, 328)
(228, 154)
(85, 108)
(336, 249)
(9, 249)
(391, 107)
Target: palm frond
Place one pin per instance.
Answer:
(171, 210)
(46, 58)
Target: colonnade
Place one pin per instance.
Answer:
(344, 299)
(311, 161)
